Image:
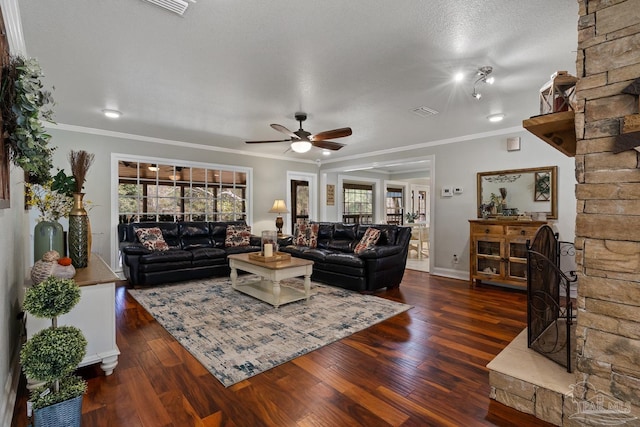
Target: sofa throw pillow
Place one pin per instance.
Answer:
(368, 241)
(307, 235)
(152, 239)
(238, 235)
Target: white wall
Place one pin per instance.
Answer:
(12, 273)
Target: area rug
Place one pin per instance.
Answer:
(236, 336)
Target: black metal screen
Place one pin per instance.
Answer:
(550, 319)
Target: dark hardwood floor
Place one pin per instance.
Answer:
(425, 367)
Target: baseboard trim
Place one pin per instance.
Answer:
(11, 390)
(450, 273)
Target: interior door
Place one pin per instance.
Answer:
(300, 202)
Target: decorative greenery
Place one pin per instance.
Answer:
(52, 354)
(52, 204)
(52, 297)
(412, 216)
(24, 103)
(70, 387)
(62, 183)
(80, 162)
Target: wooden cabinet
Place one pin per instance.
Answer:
(498, 250)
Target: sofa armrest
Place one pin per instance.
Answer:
(255, 240)
(381, 251)
(285, 241)
(134, 249)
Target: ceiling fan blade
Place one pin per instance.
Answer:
(331, 134)
(327, 145)
(274, 140)
(283, 129)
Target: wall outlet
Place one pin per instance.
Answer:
(455, 259)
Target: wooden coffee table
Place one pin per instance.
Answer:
(268, 288)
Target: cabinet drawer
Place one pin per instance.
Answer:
(487, 229)
(523, 231)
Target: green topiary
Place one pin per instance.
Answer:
(52, 297)
(53, 353)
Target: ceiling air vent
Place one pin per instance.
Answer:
(175, 6)
(424, 111)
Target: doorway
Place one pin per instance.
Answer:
(299, 202)
(302, 198)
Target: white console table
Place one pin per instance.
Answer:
(95, 315)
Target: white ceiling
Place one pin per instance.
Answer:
(224, 71)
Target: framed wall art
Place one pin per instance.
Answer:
(542, 190)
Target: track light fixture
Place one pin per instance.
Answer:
(483, 76)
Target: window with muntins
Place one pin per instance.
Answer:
(358, 203)
(174, 192)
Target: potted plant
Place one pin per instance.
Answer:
(52, 355)
(24, 103)
(412, 216)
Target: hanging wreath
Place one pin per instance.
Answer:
(24, 104)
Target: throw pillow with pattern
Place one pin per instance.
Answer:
(152, 239)
(368, 241)
(307, 235)
(238, 235)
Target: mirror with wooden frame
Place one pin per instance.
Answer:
(514, 192)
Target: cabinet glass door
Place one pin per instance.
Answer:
(517, 259)
(488, 257)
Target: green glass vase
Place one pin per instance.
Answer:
(78, 233)
(47, 236)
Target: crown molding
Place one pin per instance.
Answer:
(428, 144)
(122, 135)
(13, 26)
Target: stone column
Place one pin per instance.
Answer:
(608, 209)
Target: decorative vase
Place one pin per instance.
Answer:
(47, 236)
(78, 233)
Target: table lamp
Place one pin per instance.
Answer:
(279, 207)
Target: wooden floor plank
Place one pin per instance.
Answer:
(426, 366)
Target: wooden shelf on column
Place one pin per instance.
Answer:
(556, 129)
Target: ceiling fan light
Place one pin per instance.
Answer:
(301, 146)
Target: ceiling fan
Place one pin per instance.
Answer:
(302, 141)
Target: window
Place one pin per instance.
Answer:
(358, 203)
(394, 205)
(174, 192)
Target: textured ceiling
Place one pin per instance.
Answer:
(224, 71)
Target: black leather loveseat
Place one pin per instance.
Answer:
(196, 250)
(335, 262)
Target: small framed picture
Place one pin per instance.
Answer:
(542, 190)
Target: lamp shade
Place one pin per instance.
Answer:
(279, 207)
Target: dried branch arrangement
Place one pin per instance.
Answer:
(80, 162)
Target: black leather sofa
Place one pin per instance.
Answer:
(196, 250)
(335, 262)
